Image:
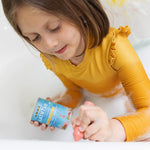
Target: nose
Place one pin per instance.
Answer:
(50, 42)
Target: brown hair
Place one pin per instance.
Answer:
(88, 15)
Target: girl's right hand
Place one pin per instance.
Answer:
(42, 125)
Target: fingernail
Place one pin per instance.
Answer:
(31, 122)
(81, 129)
(78, 123)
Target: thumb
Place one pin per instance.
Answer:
(49, 99)
(89, 103)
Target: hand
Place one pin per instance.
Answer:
(94, 122)
(42, 125)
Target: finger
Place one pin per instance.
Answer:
(76, 121)
(88, 103)
(84, 124)
(91, 111)
(49, 99)
(43, 126)
(36, 124)
(52, 128)
(87, 115)
(99, 136)
(84, 118)
(73, 122)
(31, 122)
(91, 130)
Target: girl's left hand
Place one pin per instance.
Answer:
(94, 122)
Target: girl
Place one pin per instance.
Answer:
(78, 45)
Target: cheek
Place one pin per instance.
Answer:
(74, 39)
(67, 37)
(70, 35)
(40, 48)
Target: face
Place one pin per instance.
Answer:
(50, 34)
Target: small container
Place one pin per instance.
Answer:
(51, 114)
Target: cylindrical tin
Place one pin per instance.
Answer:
(51, 114)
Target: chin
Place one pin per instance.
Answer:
(64, 57)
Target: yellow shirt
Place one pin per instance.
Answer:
(101, 72)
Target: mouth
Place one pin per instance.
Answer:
(62, 50)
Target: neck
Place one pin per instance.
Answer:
(78, 59)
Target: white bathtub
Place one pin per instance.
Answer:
(23, 78)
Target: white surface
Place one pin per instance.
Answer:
(38, 145)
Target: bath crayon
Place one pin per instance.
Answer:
(51, 114)
(77, 134)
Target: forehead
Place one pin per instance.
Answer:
(28, 17)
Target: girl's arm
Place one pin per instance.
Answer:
(73, 95)
(136, 84)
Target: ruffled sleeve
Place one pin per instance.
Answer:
(124, 60)
(122, 31)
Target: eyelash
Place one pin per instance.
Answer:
(53, 30)
(56, 29)
(36, 38)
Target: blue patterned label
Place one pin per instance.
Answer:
(51, 114)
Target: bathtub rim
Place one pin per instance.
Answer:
(37, 144)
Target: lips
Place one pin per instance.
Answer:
(61, 50)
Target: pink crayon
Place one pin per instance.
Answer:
(77, 134)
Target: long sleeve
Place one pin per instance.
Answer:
(124, 60)
(73, 95)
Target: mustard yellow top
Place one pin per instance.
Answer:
(101, 72)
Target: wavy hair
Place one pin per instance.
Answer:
(87, 15)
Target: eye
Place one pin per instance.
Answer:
(56, 29)
(36, 38)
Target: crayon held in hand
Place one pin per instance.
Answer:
(77, 134)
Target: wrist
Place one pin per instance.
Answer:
(118, 131)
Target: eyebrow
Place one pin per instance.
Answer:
(26, 34)
(29, 33)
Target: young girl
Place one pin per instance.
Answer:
(77, 44)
